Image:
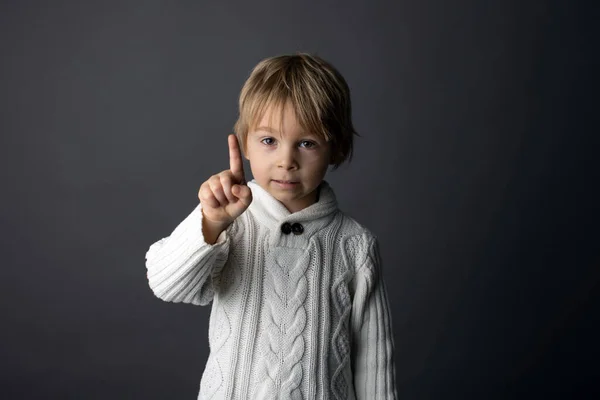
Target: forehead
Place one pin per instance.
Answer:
(276, 119)
(274, 113)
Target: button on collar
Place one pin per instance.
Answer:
(286, 228)
(297, 228)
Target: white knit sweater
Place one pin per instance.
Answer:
(294, 316)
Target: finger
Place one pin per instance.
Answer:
(235, 160)
(215, 186)
(243, 193)
(226, 184)
(207, 198)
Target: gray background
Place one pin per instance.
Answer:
(474, 169)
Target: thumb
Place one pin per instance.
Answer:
(243, 193)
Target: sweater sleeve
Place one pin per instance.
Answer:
(182, 267)
(372, 338)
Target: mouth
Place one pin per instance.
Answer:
(286, 183)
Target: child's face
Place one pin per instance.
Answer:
(291, 164)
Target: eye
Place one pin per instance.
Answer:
(308, 144)
(268, 141)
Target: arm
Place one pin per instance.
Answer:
(372, 338)
(181, 267)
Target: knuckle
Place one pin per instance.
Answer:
(215, 184)
(226, 179)
(206, 195)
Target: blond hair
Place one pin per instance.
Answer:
(318, 93)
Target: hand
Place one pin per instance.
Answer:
(225, 196)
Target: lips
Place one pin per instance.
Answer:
(286, 184)
(284, 181)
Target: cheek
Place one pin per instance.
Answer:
(259, 166)
(316, 159)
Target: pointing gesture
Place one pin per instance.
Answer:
(225, 196)
(235, 160)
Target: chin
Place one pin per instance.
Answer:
(285, 196)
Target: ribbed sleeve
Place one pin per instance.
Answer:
(373, 344)
(181, 267)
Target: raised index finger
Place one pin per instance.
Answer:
(235, 159)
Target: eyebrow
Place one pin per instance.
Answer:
(266, 129)
(276, 132)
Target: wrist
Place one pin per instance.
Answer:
(212, 229)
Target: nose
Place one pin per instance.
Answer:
(287, 159)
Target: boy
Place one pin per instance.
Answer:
(299, 306)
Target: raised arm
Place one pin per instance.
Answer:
(181, 267)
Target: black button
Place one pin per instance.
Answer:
(297, 228)
(286, 228)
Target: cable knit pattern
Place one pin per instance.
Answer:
(294, 316)
(341, 341)
(283, 345)
(220, 327)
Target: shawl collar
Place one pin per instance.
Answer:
(272, 213)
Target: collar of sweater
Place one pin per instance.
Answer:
(272, 213)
